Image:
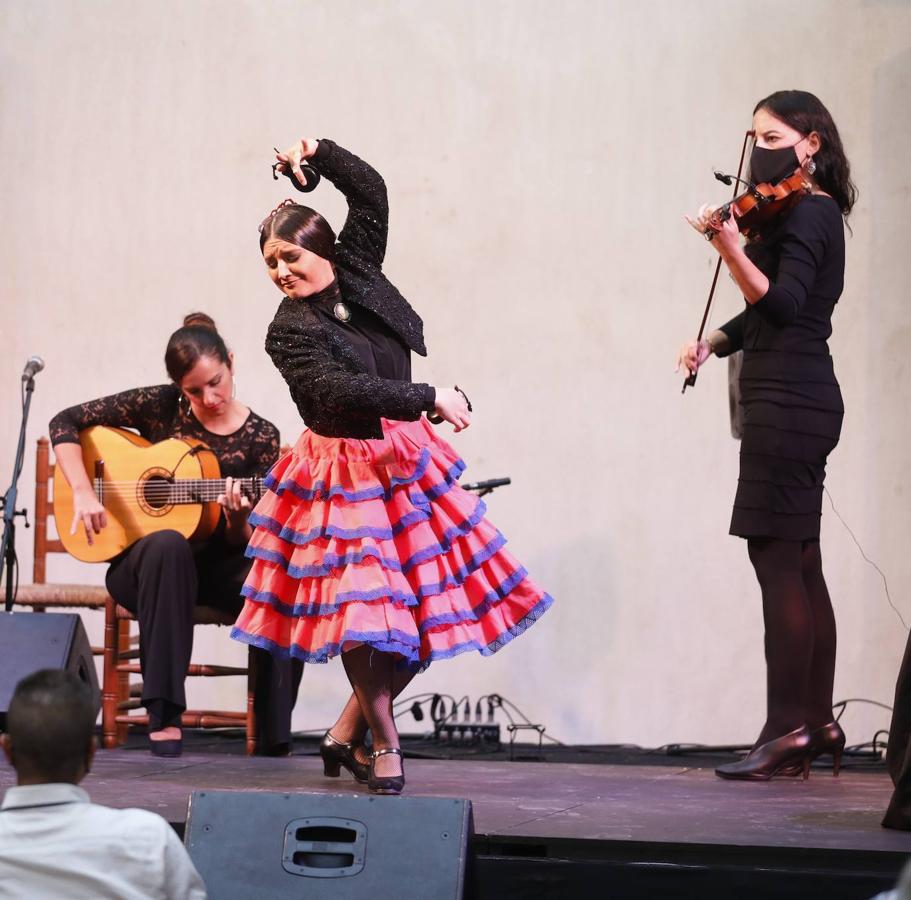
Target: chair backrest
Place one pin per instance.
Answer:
(44, 510)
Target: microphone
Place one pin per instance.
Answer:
(34, 365)
(730, 179)
(488, 485)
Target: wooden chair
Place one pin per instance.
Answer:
(121, 659)
(40, 595)
(119, 696)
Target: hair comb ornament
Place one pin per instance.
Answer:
(268, 219)
(311, 176)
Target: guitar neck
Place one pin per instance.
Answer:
(175, 491)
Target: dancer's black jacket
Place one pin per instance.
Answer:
(329, 383)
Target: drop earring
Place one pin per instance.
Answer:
(233, 387)
(810, 166)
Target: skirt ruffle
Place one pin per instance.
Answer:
(374, 542)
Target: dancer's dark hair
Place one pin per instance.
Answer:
(299, 225)
(198, 337)
(805, 113)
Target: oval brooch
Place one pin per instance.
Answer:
(342, 313)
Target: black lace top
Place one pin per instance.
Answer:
(156, 413)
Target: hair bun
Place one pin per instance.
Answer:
(199, 320)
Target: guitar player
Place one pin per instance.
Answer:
(161, 576)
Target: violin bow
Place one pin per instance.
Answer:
(690, 381)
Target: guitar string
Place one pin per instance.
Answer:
(187, 490)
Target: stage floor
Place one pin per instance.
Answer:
(551, 830)
(567, 802)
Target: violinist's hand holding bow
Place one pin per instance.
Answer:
(692, 355)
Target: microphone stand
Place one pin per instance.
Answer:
(8, 547)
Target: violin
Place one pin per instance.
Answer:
(760, 204)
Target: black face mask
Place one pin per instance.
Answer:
(771, 166)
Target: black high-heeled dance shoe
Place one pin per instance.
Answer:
(823, 740)
(774, 757)
(336, 754)
(385, 784)
(169, 749)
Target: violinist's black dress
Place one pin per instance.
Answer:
(792, 406)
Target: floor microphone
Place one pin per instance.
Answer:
(488, 485)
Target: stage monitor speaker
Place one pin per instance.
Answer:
(33, 641)
(345, 847)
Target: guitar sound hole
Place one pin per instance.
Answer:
(154, 493)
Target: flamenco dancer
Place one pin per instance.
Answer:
(791, 275)
(364, 545)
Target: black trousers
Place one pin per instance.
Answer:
(898, 753)
(159, 579)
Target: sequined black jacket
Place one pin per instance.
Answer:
(327, 380)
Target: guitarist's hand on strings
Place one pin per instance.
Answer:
(88, 512)
(236, 507)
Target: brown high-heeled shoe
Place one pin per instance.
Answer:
(825, 739)
(828, 739)
(772, 758)
(336, 753)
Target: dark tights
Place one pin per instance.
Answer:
(799, 634)
(377, 681)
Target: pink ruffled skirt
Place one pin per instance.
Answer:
(374, 542)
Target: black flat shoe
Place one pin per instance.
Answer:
(336, 754)
(279, 750)
(170, 748)
(775, 757)
(382, 784)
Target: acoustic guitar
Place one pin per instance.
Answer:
(144, 488)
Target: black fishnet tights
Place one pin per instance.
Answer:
(800, 635)
(376, 681)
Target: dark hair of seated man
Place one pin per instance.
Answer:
(50, 728)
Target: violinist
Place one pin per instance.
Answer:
(791, 273)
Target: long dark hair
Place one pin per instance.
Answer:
(804, 112)
(302, 226)
(198, 337)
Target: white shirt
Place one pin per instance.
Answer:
(55, 843)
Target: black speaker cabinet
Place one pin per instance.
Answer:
(345, 847)
(33, 641)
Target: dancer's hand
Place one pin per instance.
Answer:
(452, 406)
(693, 355)
(292, 157)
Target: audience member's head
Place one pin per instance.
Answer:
(50, 728)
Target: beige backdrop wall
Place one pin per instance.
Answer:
(539, 158)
